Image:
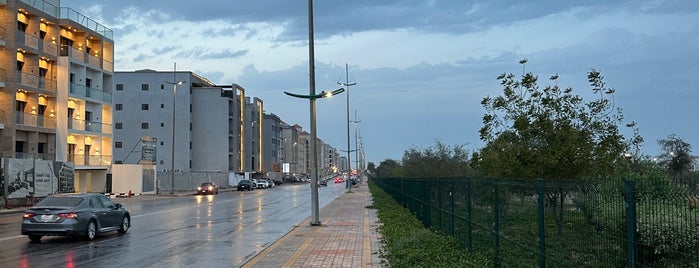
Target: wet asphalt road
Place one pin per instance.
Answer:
(224, 230)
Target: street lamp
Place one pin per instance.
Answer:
(174, 101)
(349, 150)
(312, 96)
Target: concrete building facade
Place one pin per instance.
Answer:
(56, 85)
(206, 126)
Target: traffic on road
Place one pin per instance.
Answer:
(222, 230)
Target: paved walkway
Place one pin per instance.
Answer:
(347, 237)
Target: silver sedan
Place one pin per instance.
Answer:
(85, 215)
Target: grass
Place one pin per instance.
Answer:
(407, 243)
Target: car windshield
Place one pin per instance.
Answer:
(63, 201)
(244, 181)
(207, 184)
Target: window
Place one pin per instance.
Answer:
(118, 144)
(21, 26)
(119, 125)
(162, 86)
(118, 106)
(161, 144)
(162, 124)
(144, 106)
(119, 87)
(20, 65)
(144, 86)
(144, 125)
(162, 106)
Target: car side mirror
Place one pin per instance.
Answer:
(117, 206)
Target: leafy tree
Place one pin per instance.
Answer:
(371, 168)
(389, 168)
(534, 132)
(549, 132)
(439, 161)
(676, 158)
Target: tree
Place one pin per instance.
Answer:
(439, 161)
(389, 168)
(676, 158)
(549, 132)
(371, 168)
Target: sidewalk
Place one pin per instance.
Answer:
(347, 237)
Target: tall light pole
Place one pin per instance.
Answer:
(315, 214)
(174, 84)
(356, 145)
(349, 149)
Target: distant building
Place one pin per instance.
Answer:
(56, 86)
(208, 130)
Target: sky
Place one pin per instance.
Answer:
(421, 67)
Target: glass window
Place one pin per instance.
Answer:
(144, 125)
(119, 125)
(118, 144)
(119, 87)
(144, 106)
(118, 106)
(144, 86)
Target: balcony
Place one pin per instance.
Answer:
(91, 93)
(27, 40)
(35, 81)
(90, 160)
(35, 120)
(89, 126)
(22, 155)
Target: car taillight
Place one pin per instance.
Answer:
(28, 215)
(71, 215)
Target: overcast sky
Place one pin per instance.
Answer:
(421, 66)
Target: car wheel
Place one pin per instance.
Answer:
(35, 238)
(91, 231)
(125, 224)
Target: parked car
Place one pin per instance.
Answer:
(207, 188)
(246, 185)
(262, 184)
(270, 183)
(323, 182)
(86, 215)
(278, 182)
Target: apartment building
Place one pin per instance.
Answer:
(196, 125)
(253, 141)
(272, 145)
(56, 83)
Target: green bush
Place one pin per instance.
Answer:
(408, 244)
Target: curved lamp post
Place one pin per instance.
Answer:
(315, 220)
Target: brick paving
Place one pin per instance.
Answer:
(347, 237)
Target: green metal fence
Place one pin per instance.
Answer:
(560, 223)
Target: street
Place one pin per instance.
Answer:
(221, 230)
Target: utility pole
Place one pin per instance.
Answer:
(349, 150)
(356, 136)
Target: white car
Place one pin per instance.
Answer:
(261, 184)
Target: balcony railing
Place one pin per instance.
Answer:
(27, 40)
(90, 160)
(22, 155)
(43, 6)
(90, 126)
(35, 81)
(35, 120)
(68, 13)
(93, 93)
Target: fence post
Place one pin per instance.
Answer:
(540, 212)
(496, 216)
(630, 206)
(469, 224)
(451, 196)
